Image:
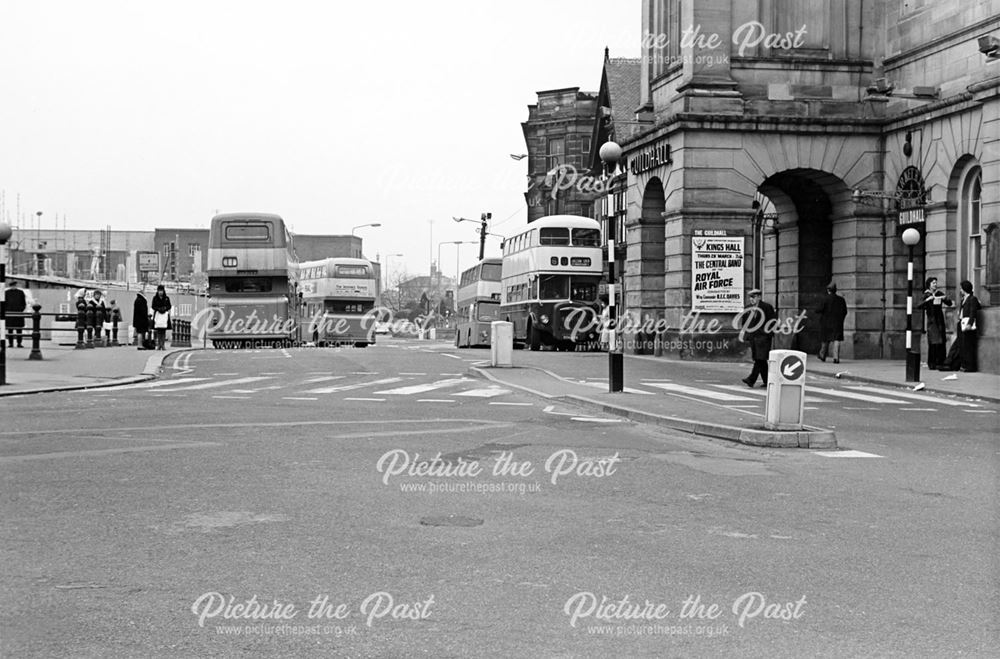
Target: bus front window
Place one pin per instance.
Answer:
(553, 287)
(584, 291)
(488, 311)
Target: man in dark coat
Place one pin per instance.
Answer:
(140, 319)
(832, 312)
(758, 325)
(14, 301)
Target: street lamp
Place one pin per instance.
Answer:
(362, 226)
(910, 238)
(5, 233)
(610, 154)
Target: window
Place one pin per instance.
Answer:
(553, 287)
(488, 311)
(352, 271)
(974, 271)
(556, 153)
(586, 237)
(194, 249)
(248, 285)
(583, 291)
(347, 307)
(491, 272)
(256, 232)
(553, 236)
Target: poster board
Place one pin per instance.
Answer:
(717, 258)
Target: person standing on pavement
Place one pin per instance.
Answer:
(140, 319)
(100, 315)
(161, 316)
(832, 313)
(933, 305)
(968, 329)
(756, 328)
(14, 301)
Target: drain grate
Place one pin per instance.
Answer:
(450, 520)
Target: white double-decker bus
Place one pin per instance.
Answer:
(478, 303)
(338, 295)
(549, 280)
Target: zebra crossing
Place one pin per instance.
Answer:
(364, 386)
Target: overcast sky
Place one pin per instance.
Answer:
(138, 114)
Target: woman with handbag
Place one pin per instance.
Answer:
(161, 316)
(933, 305)
(968, 331)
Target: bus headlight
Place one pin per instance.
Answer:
(544, 319)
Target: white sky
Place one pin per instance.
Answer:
(139, 114)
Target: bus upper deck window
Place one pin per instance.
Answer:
(553, 236)
(586, 237)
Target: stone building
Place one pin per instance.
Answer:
(807, 135)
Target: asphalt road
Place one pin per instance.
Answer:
(141, 521)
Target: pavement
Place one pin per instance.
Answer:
(64, 368)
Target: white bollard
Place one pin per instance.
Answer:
(501, 344)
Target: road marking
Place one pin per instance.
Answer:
(423, 388)
(221, 374)
(284, 351)
(297, 398)
(103, 451)
(324, 378)
(485, 393)
(513, 404)
(349, 387)
(694, 391)
(364, 373)
(856, 396)
(377, 400)
(271, 373)
(656, 380)
(148, 385)
(221, 383)
(435, 400)
(762, 393)
(918, 409)
(980, 411)
(445, 354)
(592, 419)
(233, 397)
(847, 454)
(628, 390)
(920, 397)
(854, 409)
(401, 373)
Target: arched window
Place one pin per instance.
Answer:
(972, 258)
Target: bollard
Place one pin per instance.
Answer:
(786, 390)
(501, 344)
(36, 332)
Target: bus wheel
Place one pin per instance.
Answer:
(458, 344)
(534, 337)
(361, 345)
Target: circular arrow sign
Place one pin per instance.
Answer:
(792, 368)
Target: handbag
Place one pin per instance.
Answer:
(161, 319)
(968, 324)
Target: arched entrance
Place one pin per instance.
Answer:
(799, 248)
(646, 238)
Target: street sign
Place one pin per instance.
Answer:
(149, 261)
(792, 368)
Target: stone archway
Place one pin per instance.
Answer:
(646, 238)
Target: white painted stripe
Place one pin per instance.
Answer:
(445, 354)
(236, 397)
(219, 375)
(921, 397)
(847, 454)
(484, 393)
(628, 390)
(377, 400)
(702, 393)
(221, 383)
(423, 388)
(297, 398)
(918, 409)
(324, 378)
(364, 373)
(148, 385)
(853, 395)
(513, 404)
(271, 373)
(656, 380)
(435, 400)
(980, 411)
(401, 373)
(762, 393)
(595, 420)
(349, 387)
(854, 409)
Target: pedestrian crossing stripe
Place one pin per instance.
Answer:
(422, 388)
(694, 391)
(847, 454)
(350, 387)
(853, 395)
(920, 397)
(484, 393)
(628, 390)
(221, 383)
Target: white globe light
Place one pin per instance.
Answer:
(911, 237)
(610, 152)
(5, 232)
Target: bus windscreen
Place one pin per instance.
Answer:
(248, 285)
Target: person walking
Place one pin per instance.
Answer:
(933, 305)
(968, 330)
(832, 313)
(161, 316)
(15, 301)
(757, 327)
(140, 320)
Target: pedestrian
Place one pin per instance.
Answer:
(933, 305)
(161, 316)
(968, 330)
(140, 320)
(81, 315)
(14, 301)
(100, 315)
(832, 313)
(756, 326)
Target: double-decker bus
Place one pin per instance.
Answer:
(339, 295)
(253, 294)
(549, 280)
(478, 303)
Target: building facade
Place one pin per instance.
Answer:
(805, 136)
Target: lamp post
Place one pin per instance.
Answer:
(910, 238)
(610, 154)
(362, 226)
(5, 234)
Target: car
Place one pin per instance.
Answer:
(382, 328)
